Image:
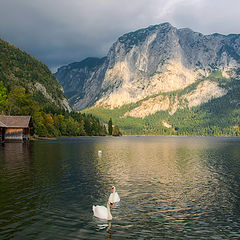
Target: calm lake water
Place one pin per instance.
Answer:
(170, 188)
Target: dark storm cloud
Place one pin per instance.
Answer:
(58, 32)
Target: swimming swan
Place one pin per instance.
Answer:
(114, 197)
(102, 211)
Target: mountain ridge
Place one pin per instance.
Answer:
(151, 68)
(176, 48)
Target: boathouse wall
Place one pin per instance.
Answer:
(15, 128)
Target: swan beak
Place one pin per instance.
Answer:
(111, 205)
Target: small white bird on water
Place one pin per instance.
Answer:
(102, 211)
(99, 153)
(114, 197)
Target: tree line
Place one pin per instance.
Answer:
(48, 120)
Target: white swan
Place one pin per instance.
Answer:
(99, 153)
(102, 211)
(114, 197)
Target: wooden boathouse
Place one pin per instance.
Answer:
(15, 128)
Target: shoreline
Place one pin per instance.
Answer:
(55, 138)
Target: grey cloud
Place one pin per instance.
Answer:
(59, 32)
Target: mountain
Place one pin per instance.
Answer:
(18, 68)
(82, 81)
(153, 78)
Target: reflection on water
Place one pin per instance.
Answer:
(170, 188)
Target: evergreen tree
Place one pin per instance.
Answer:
(3, 98)
(82, 129)
(110, 127)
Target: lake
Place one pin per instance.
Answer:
(170, 188)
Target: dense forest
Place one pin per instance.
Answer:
(20, 73)
(48, 121)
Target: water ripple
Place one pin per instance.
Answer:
(170, 188)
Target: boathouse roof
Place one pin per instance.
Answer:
(15, 121)
(2, 124)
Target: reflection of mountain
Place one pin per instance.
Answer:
(172, 174)
(162, 161)
(173, 187)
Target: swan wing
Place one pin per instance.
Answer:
(117, 198)
(110, 199)
(100, 212)
(114, 197)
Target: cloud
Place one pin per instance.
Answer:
(59, 32)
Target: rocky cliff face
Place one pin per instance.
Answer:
(150, 62)
(82, 81)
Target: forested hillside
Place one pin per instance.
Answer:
(217, 117)
(27, 87)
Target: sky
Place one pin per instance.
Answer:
(59, 32)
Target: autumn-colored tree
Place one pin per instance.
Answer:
(40, 128)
